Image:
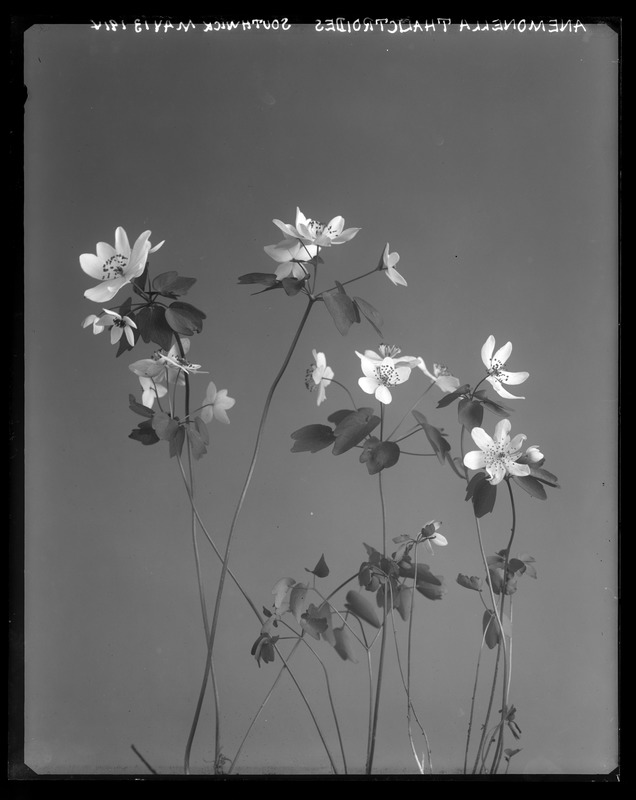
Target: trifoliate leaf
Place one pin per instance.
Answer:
(371, 314)
(138, 408)
(312, 438)
(362, 609)
(452, 396)
(482, 493)
(353, 429)
(342, 309)
(152, 326)
(473, 582)
(184, 318)
(321, 570)
(144, 433)
(435, 436)
(379, 455)
(530, 485)
(164, 425)
(171, 284)
(344, 644)
(470, 413)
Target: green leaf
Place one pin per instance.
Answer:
(435, 436)
(362, 608)
(470, 413)
(312, 438)
(164, 425)
(176, 442)
(404, 601)
(297, 600)
(292, 285)
(202, 430)
(313, 622)
(138, 408)
(497, 408)
(531, 485)
(544, 476)
(197, 445)
(490, 628)
(266, 278)
(338, 416)
(342, 309)
(353, 429)
(371, 314)
(344, 644)
(152, 326)
(482, 493)
(424, 574)
(431, 590)
(184, 318)
(171, 284)
(144, 433)
(473, 582)
(452, 396)
(321, 570)
(379, 455)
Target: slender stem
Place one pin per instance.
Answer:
(378, 689)
(412, 408)
(345, 283)
(143, 760)
(472, 700)
(353, 402)
(239, 506)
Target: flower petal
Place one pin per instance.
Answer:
(368, 385)
(513, 378)
(345, 236)
(403, 374)
(487, 351)
(519, 470)
(496, 385)
(502, 431)
(383, 395)
(481, 438)
(497, 472)
(106, 290)
(476, 459)
(287, 229)
(517, 442)
(92, 265)
(122, 244)
(503, 354)
(130, 335)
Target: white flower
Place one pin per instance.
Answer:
(496, 373)
(319, 376)
(316, 233)
(534, 455)
(175, 361)
(215, 404)
(95, 321)
(430, 535)
(116, 266)
(389, 260)
(117, 325)
(440, 376)
(290, 254)
(499, 455)
(382, 371)
(151, 389)
(164, 367)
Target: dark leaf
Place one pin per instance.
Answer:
(531, 485)
(144, 433)
(379, 455)
(171, 284)
(266, 278)
(473, 582)
(497, 580)
(152, 326)
(544, 476)
(138, 408)
(324, 612)
(424, 574)
(404, 601)
(490, 628)
(353, 429)
(338, 416)
(452, 396)
(435, 436)
(362, 608)
(431, 590)
(197, 445)
(470, 413)
(344, 644)
(164, 425)
(497, 408)
(341, 308)
(321, 570)
(312, 438)
(176, 442)
(482, 493)
(292, 285)
(184, 318)
(371, 314)
(312, 623)
(530, 568)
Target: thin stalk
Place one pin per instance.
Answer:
(345, 283)
(239, 506)
(143, 760)
(342, 386)
(472, 700)
(411, 409)
(378, 689)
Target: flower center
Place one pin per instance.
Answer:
(315, 227)
(309, 379)
(499, 454)
(389, 350)
(114, 266)
(387, 374)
